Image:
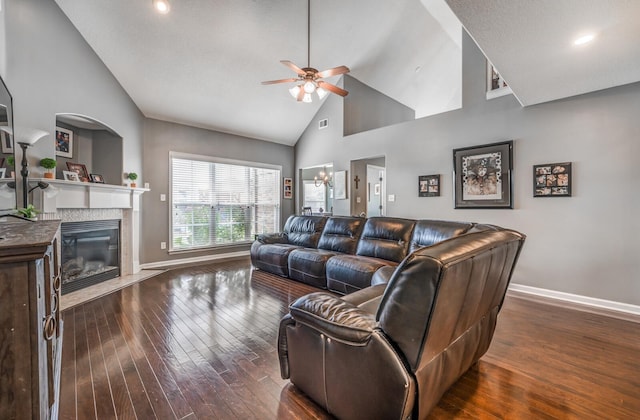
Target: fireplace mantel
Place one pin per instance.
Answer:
(85, 195)
(72, 201)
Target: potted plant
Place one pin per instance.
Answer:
(132, 176)
(11, 161)
(29, 212)
(48, 164)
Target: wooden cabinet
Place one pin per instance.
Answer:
(30, 324)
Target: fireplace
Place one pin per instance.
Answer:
(90, 253)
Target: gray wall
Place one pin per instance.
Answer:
(587, 244)
(367, 109)
(51, 69)
(107, 157)
(162, 137)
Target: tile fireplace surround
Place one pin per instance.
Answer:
(82, 201)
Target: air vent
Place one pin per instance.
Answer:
(323, 123)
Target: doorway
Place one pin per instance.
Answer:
(375, 191)
(368, 187)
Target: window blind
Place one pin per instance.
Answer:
(216, 203)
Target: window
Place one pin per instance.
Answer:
(314, 197)
(221, 202)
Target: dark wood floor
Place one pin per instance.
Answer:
(200, 343)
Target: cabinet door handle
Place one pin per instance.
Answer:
(54, 303)
(49, 327)
(56, 283)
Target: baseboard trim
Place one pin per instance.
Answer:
(594, 304)
(170, 263)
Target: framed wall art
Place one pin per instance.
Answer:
(96, 178)
(64, 142)
(7, 142)
(482, 176)
(340, 185)
(552, 180)
(429, 186)
(287, 188)
(80, 169)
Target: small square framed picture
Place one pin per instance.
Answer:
(98, 179)
(429, 186)
(552, 180)
(71, 176)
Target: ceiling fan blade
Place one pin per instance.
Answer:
(333, 72)
(293, 67)
(273, 82)
(300, 94)
(332, 88)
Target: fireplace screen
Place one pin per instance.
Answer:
(90, 253)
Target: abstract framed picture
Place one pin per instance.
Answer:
(552, 180)
(429, 186)
(482, 176)
(64, 142)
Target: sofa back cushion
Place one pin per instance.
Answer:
(438, 293)
(341, 234)
(429, 232)
(304, 230)
(386, 238)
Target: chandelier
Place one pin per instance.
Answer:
(324, 179)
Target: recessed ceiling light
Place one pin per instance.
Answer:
(585, 39)
(162, 6)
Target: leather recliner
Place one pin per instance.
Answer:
(392, 350)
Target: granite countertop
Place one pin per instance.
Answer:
(16, 234)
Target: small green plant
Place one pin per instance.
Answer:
(11, 161)
(132, 176)
(48, 163)
(29, 212)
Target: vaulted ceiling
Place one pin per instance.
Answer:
(202, 63)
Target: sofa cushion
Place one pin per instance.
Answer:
(308, 266)
(348, 273)
(386, 238)
(273, 258)
(341, 234)
(429, 232)
(304, 231)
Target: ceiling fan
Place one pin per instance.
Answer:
(311, 79)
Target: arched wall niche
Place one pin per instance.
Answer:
(88, 141)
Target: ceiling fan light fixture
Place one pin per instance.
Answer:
(321, 93)
(307, 98)
(309, 86)
(294, 91)
(162, 6)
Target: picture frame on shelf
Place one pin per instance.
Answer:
(97, 179)
(429, 186)
(70, 176)
(287, 188)
(482, 176)
(64, 142)
(6, 142)
(2, 172)
(80, 169)
(496, 85)
(552, 180)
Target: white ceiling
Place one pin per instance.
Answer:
(530, 42)
(202, 63)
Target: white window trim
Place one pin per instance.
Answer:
(212, 159)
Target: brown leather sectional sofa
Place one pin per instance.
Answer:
(343, 254)
(423, 308)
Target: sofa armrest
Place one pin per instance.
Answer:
(334, 317)
(272, 238)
